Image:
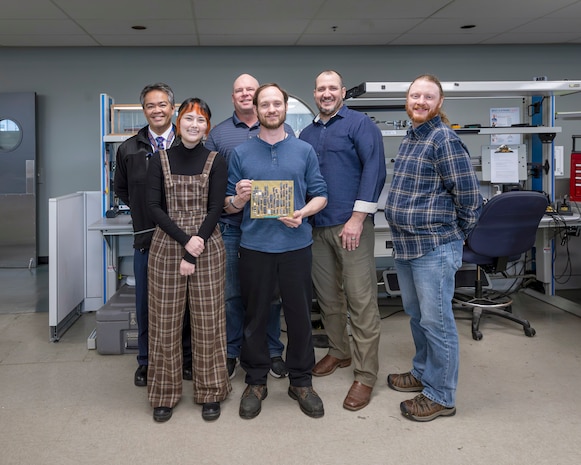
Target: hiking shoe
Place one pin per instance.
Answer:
(231, 365)
(251, 400)
(404, 382)
(277, 367)
(420, 408)
(309, 401)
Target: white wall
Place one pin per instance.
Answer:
(68, 82)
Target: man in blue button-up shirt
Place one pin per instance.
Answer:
(349, 147)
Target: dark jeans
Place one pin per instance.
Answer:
(260, 275)
(234, 307)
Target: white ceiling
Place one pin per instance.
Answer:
(108, 23)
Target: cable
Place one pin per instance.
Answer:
(561, 235)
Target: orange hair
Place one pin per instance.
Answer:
(197, 105)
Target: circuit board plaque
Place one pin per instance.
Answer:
(272, 199)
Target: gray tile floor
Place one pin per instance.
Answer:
(62, 403)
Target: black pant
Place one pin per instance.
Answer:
(260, 275)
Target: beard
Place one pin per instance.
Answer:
(329, 111)
(270, 123)
(432, 113)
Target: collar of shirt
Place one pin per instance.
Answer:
(337, 113)
(168, 136)
(425, 128)
(238, 122)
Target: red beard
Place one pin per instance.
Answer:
(420, 119)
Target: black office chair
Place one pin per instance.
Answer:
(506, 229)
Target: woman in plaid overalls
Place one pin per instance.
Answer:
(186, 190)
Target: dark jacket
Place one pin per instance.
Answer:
(130, 183)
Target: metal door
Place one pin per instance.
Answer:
(18, 180)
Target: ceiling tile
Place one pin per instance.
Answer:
(37, 27)
(153, 40)
(374, 9)
(346, 39)
(500, 8)
(413, 38)
(360, 26)
(273, 10)
(45, 40)
(127, 9)
(532, 38)
(280, 22)
(257, 26)
(248, 40)
(123, 27)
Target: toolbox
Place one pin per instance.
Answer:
(117, 324)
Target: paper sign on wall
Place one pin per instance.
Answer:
(504, 118)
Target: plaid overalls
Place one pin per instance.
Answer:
(187, 200)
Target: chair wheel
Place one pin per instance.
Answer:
(530, 332)
(477, 335)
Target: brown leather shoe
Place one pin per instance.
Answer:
(358, 396)
(328, 364)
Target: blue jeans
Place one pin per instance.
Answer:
(231, 235)
(427, 288)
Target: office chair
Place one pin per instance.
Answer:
(506, 229)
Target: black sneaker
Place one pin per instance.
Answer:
(278, 368)
(309, 401)
(231, 365)
(251, 401)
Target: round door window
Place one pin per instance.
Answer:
(298, 115)
(10, 135)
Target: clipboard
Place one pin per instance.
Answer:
(504, 149)
(504, 164)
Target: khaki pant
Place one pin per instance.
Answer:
(346, 281)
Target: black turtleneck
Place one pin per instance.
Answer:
(188, 162)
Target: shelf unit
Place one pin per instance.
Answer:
(484, 131)
(390, 96)
(117, 124)
(386, 91)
